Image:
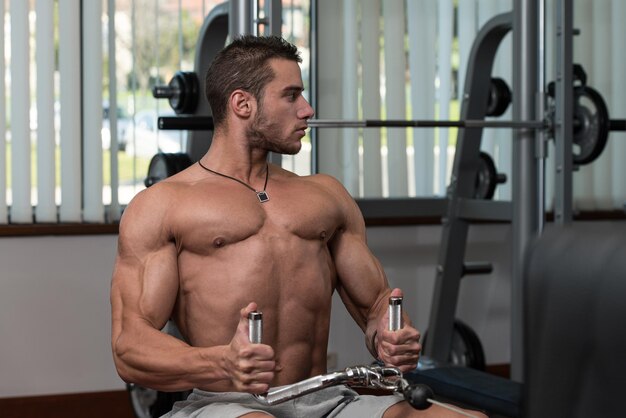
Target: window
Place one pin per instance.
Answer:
(382, 59)
(66, 157)
(80, 161)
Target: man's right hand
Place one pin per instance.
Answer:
(250, 366)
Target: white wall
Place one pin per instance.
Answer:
(55, 312)
(55, 315)
(409, 256)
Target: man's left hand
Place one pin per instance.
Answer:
(399, 348)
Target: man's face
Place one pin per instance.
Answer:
(281, 117)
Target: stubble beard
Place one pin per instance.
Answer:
(265, 135)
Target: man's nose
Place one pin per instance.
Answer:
(307, 111)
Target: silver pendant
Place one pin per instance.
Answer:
(263, 196)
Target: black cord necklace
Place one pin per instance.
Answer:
(262, 195)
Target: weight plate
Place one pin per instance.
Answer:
(466, 349)
(164, 165)
(591, 129)
(185, 86)
(486, 177)
(499, 97)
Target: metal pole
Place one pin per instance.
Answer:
(239, 18)
(542, 152)
(274, 17)
(563, 130)
(313, 75)
(525, 184)
(455, 228)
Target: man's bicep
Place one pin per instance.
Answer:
(361, 280)
(360, 275)
(145, 279)
(147, 289)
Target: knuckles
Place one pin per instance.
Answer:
(244, 366)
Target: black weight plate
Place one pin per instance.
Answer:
(592, 125)
(186, 86)
(160, 168)
(466, 349)
(177, 87)
(182, 161)
(486, 177)
(164, 165)
(499, 97)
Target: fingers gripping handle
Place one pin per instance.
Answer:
(419, 396)
(255, 327)
(395, 313)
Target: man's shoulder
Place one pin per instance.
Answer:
(160, 196)
(319, 178)
(330, 183)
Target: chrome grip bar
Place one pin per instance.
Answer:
(389, 378)
(379, 377)
(364, 376)
(255, 327)
(395, 313)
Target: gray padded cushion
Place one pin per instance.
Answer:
(575, 344)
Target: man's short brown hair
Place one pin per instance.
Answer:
(244, 64)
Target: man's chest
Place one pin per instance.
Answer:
(208, 223)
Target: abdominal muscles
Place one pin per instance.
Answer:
(289, 278)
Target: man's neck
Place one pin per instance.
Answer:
(235, 159)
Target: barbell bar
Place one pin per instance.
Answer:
(205, 123)
(590, 134)
(614, 124)
(396, 123)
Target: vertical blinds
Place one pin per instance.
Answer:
(599, 48)
(4, 213)
(380, 59)
(403, 60)
(395, 94)
(411, 63)
(77, 197)
(369, 31)
(19, 108)
(70, 106)
(44, 55)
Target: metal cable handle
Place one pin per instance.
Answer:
(255, 327)
(420, 396)
(387, 378)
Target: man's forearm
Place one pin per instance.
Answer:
(373, 319)
(169, 364)
(371, 343)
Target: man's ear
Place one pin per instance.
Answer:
(242, 103)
